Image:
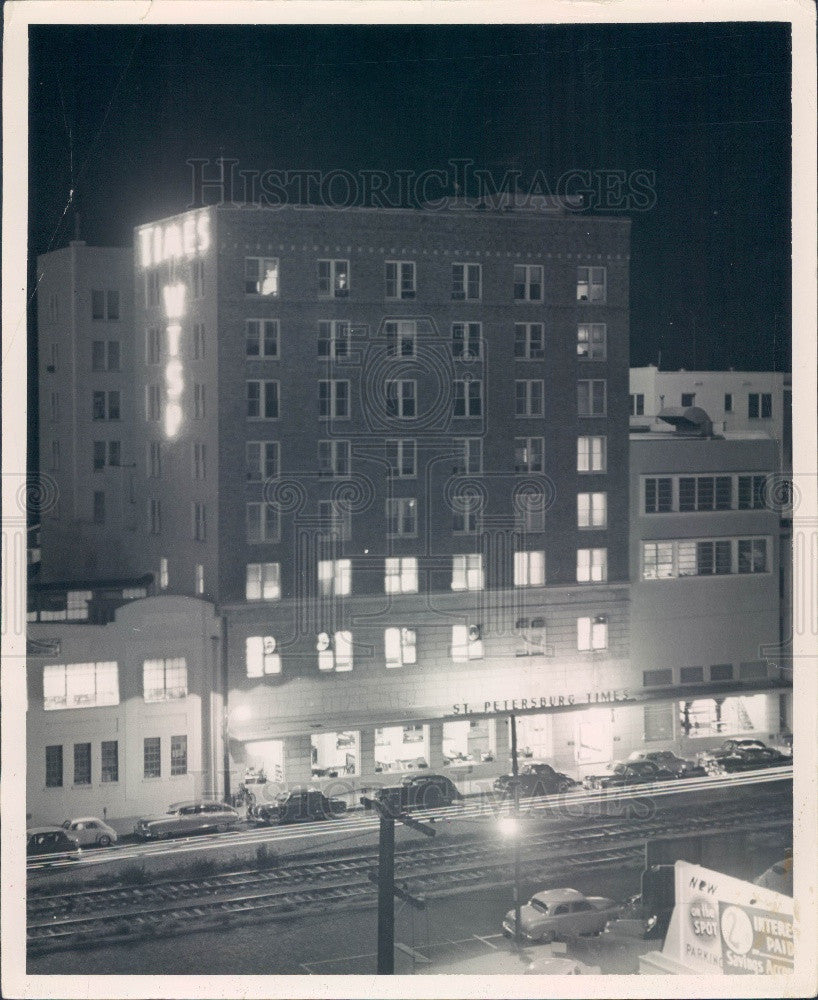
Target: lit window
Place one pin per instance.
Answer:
(333, 338)
(529, 455)
(466, 279)
(261, 338)
(333, 399)
(400, 279)
(262, 460)
(263, 523)
(467, 572)
(401, 516)
(592, 633)
(261, 656)
(400, 646)
(163, 573)
(401, 576)
(466, 341)
(198, 580)
(592, 342)
(334, 577)
(164, 679)
(468, 398)
(528, 282)
(333, 458)
(657, 560)
(592, 510)
(80, 685)
(529, 569)
(529, 341)
(335, 652)
(591, 284)
(592, 565)
(263, 581)
(333, 279)
(401, 454)
(261, 276)
(467, 643)
(591, 401)
(529, 397)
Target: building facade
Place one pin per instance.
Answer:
(124, 708)
(391, 446)
(705, 555)
(85, 349)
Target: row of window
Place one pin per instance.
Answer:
(669, 494)
(671, 559)
(759, 404)
(263, 341)
(334, 280)
(93, 685)
(109, 761)
(335, 651)
(263, 458)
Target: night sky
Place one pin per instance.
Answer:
(706, 107)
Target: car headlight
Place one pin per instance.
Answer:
(651, 922)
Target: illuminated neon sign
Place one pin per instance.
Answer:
(174, 297)
(188, 237)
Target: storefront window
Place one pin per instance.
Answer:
(534, 739)
(723, 716)
(263, 762)
(469, 742)
(335, 754)
(401, 748)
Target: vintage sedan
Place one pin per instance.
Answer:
(89, 831)
(186, 818)
(667, 759)
(558, 914)
(290, 807)
(52, 843)
(624, 773)
(730, 747)
(535, 779)
(752, 759)
(419, 791)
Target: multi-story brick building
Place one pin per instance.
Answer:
(391, 446)
(85, 331)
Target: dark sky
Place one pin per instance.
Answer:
(706, 107)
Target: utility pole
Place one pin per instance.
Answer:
(385, 880)
(518, 937)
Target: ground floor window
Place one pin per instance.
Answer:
(468, 741)
(264, 761)
(658, 722)
(53, 767)
(152, 757)
(534, 737)
(335, 754)
(723, 716)
(401, 748)
(110, 760)
(178, 756)
(594, 736)
(82, 763)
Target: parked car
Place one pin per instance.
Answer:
(624, 773)
(535, 779)
(653, 906)
(753, 759)
(88, 831)
(560, 914)
(729, 747)
(185, 818)
(419, 791)
(44, 841)
(290, 807)
(679, 766)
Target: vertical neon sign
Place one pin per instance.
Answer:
(174, 296)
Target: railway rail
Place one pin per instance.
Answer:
(108, 913)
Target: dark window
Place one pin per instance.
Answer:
(97, 355)
(99, 454)
(98, 305)
(113, 355)
(657, 678)
(152, 757)
(658, 495)
(53, 767)
(724, 557)
(110, 760)
(751, 492)
(113, 405)
(755, 671)
(99, 406)
(178, 755)
(113, 305)
(99, 507)
(728, 402)
(637, 404)
(724, 492)
(753, 405)
(82, 763)
(687, 493)
(721, 672)
(766, 405)
(688, 399)
(691, 675)
(658, 721)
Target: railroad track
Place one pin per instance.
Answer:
(91, 916)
